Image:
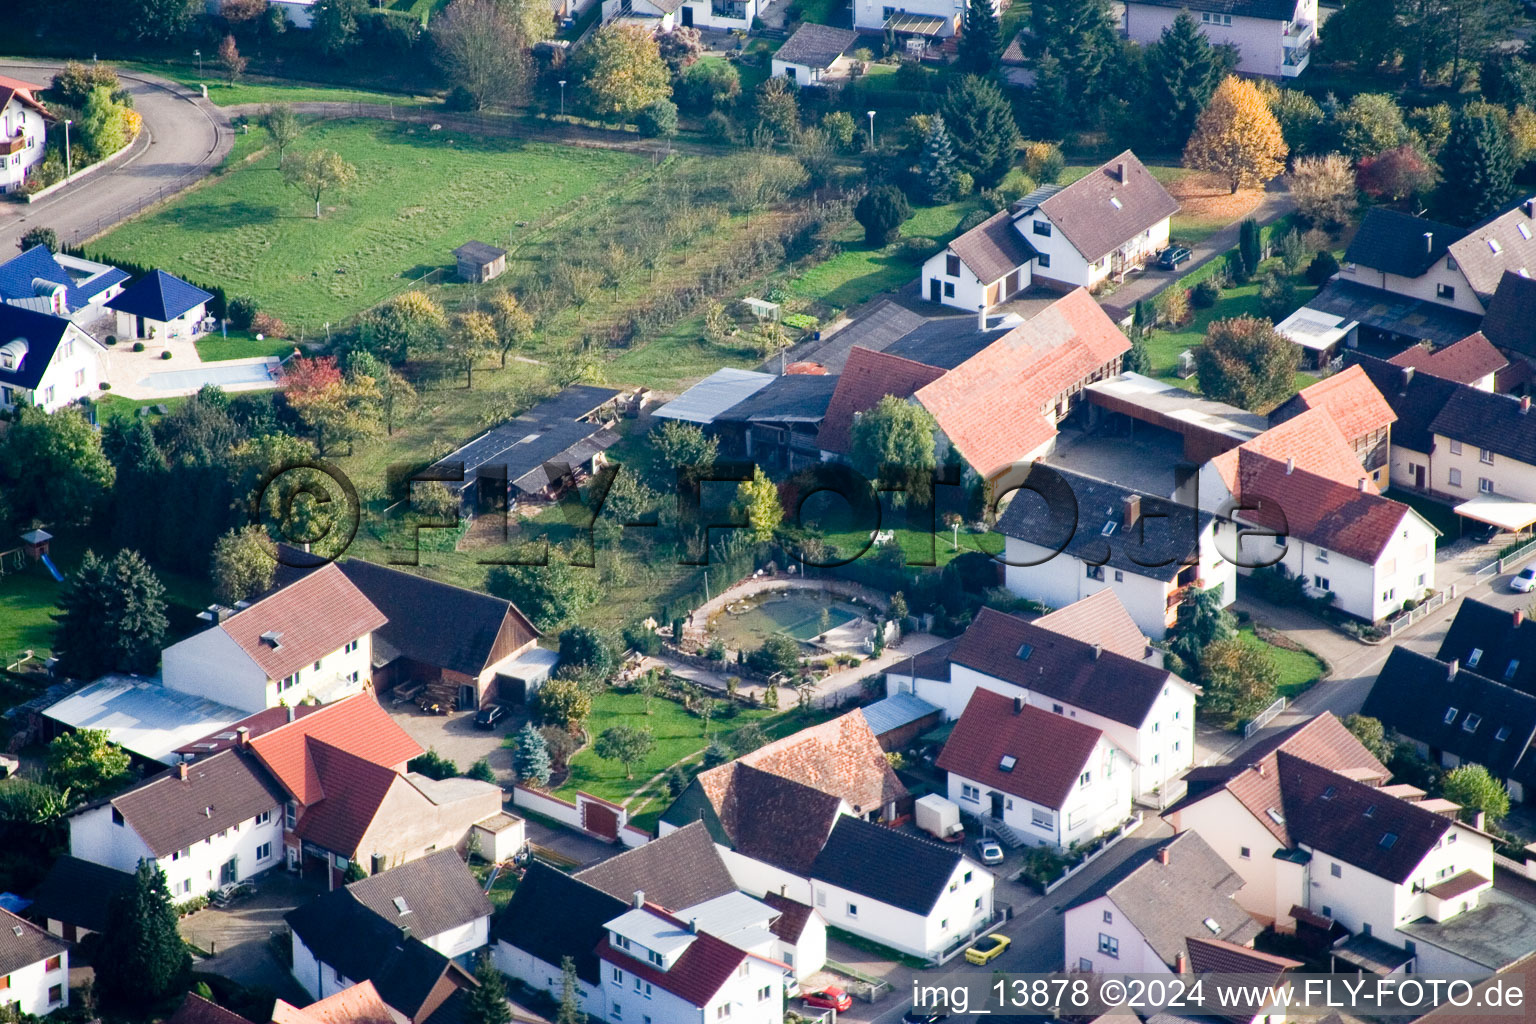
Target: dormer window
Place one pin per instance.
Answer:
(273, 639)
(1471, 722)
(654, 957)
(1450, 715)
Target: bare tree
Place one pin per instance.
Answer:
(483, 50)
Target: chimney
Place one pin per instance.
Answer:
(1479, 820)
(1120, 172)
(1429, 241)
(1360, 485)
(1098, 649)
(693, 925)
(181, 771)
(290, 712)
(1525, 404)
(1528, 208)
(1290, 466)
(1180, 964)
(981, 317)
(1519, 618)
(243, 736)
(1407, 375)
(1130, 511)
(1162, 856)
(639, 898)
(1451, 668)
(1018, 705)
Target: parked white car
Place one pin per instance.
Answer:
(1524, 581)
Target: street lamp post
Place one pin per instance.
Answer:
(871, 129)
(562, 98)
(199, 55)
(67, 123)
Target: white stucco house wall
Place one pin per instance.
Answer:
(1273, 38)
(46, 361)
(995, 772)
(34, 967)
(23, 131)
(161, 307)
(204, 824)
(310, 640)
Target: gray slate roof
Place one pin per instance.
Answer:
(891, 867)
(479, 252)
(1505, 242)
(1394, 242)
(1502, 641)
(681, 869)
(816, 46)
(1490, 421)
(795, 397)
(1171, 902)
(994, 248)
(1509, 323)
(78, 892)
(554, 915)
(32, 945)
(438, 891)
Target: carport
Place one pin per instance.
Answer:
(1207, 428)
(1499, 510)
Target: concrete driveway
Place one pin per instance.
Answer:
(456, 737)
(240, 937)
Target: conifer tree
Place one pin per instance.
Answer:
(1082, 35)
(530, 757)
(142, 958)
(488, 1000)
(981, 39)
(1183, 70)
(937, 163)
(980, 124)
(1477, 169)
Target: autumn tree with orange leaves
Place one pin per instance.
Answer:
(1237, 137)
(335, 406)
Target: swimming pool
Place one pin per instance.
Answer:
(188, 381)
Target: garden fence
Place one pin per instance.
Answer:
(1264, 717)
(1403, 622)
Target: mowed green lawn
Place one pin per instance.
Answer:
(1298, 669)
(419, 195)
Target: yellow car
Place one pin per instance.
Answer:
(987, 948)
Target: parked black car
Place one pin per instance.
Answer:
(1171, 257)
(489, 717)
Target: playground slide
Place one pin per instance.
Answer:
(53, 569)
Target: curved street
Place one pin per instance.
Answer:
(184, 138)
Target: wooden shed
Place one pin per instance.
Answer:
(479, 263)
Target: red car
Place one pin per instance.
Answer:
(829, 998)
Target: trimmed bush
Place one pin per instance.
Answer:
(242, 310)
(166, 354)
(1204, 294)
(138, 346)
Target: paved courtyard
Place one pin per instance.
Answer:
(240, 937)
(456, 737)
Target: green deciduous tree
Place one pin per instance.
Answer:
(319, 171)
(625, 744)
(530, 757)
(548, 594)
(1240, 679)
(587, 648)
(483, 50)
(778, 107)
(39, 235)
(881, 212)
(156, 19)
(86, 763)
(244, 564)
(1475, 790)
(111, 617)
(100, 126)
(564, 703)
(1371, 734)
(1477, 169)
(759, 498)
(621, 72)
(1246, 362)
(282, 127)
(52, 469)
(471, 338)
(334, 26)
(895, 440)
(981, 39)
(779, 653)
(230, 59)
(979, 120)
(408, 324)
(1183, 70)
(433, 765)
(142, 958)
(1371, 123)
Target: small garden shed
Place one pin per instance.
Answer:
(479, 262)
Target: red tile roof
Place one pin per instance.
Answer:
(353, 788)
(1312, 439)
(1466, 362)
(259, 724)
(696, 976)
(1217, 956)
(25, 92)
(993, 406)
(841, 758)
(1254, 780)
(357, 725)
(356, 1004)
(1458, 884)
(1101, 619)
(311, 618)
(1049, 751)
(867, 377)
(1352, 400)
(1354, 521)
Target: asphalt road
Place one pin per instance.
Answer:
(187, 137)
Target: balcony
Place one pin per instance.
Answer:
(1296, 42)
(15, 144)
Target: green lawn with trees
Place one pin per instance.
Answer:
(419, 194)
